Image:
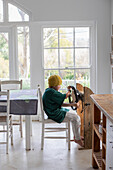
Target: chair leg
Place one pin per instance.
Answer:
(68, 135)
(21, 126)
(11, 131)
(7, 145)
(42, 138)
(31, 126)
(67, 132)
(3, 127)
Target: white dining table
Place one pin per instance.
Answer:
(23, 102)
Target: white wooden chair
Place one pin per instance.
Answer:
(13, 85)
(51, 128)
(5, 119)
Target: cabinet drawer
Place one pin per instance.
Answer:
(110, 148)
(110, 128)
(109, 152)
(110, 168)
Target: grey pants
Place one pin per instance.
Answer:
(76, 122)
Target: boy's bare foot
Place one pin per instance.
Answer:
(82, 138)
(73, 140)
(80, 142)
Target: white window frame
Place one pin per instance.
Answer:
(11, 27)
(92, 25)
(5, 11)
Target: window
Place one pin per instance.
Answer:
(15, 14)
(67, 52)
(23, 55)
(4, 55)
(14, 43)
(1, 11)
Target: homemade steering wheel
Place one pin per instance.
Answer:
(73, 97)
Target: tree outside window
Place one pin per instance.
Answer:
(4, 56)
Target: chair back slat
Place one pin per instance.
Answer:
(10, 84)
(41, 102)
(3, 103)
(3, 113)
(5, 118)
(6, 103)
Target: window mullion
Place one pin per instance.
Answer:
(14, 58)
(74, 54)
(90, 52)
(59, 52)
(68, 68)
(90, 46)
(5, 11)
(74, 46)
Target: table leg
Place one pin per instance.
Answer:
(31, 125)
(28, 131)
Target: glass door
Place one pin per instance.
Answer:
(5, 53)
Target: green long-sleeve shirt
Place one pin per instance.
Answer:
(52, 101)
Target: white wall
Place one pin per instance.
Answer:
(36, 56)
(111, 11)
(75, 10)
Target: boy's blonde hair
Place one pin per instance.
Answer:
(54, 80)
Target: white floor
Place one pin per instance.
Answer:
(55, 155)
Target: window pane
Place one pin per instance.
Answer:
(1, 11)
(67, 78)
(66, 37)
(4, 56)
(82, 57)
(66, 58)
(83, 77)
(50, 37)
(47, 74)
(82, 37)
(50, 58)
(23, 55)
(72, 51)
(15, 14)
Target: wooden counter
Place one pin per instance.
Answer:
(102, 143)
(105, 103)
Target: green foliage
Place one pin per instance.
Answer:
(4, 56)
(4, 68)
(50, 37)
(69, 76)
(4, 46)
(48, 73)
(26, 83)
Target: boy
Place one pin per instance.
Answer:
(53, 102)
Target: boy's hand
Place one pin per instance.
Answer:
(78, 105)
(67, 94)
(68, 87)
